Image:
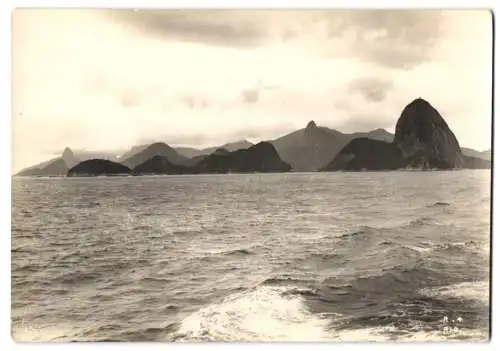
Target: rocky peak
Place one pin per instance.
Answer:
(311, 131)
(68, 152)
(311, 125)
(425, 138)
(69, 157)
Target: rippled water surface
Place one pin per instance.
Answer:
(305, 257)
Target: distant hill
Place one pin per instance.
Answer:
(54, 167)
(191, 152)
(367, 154)
(155, 149)
(159, 165)
(313, 147)
(237, 145)
(97, 167)
(486, 155)
(133, 151)
(196, 159)
(260, 158)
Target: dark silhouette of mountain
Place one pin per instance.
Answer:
(160, 149)
(313, 147)
(261, 157)
(367, 154)
(192, 161)
(258, 158)
(425, 138)
(97, 167)
(159, 165)
(485, 155)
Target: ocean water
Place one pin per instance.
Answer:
(365, 256)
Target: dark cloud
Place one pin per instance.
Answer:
(211, 27)
(250, 96)
(372, 89)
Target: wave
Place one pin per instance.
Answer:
(143, 227)
(264, 313)
(283, 282)
(238, 252)
(439, 204)
(154, 280)
(358, 233)
(280, 313)
(78, 277)
(420, 222)
(478, 291)
(458, 246)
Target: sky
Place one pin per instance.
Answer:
(109, 79)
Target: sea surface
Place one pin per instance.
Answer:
(257, 257)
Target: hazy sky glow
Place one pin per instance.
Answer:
(108, 79)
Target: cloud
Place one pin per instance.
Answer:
(392, 38)
(194, 102)
(211, 27)
(372, 89)
(250, 96)
(129, 98)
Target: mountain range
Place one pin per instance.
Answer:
(308, 149)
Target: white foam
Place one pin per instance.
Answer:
(262, 314)
(420, 249)
(28, 333)
(478, 291)
(265, 314)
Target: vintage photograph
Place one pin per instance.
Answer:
(251, 175)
